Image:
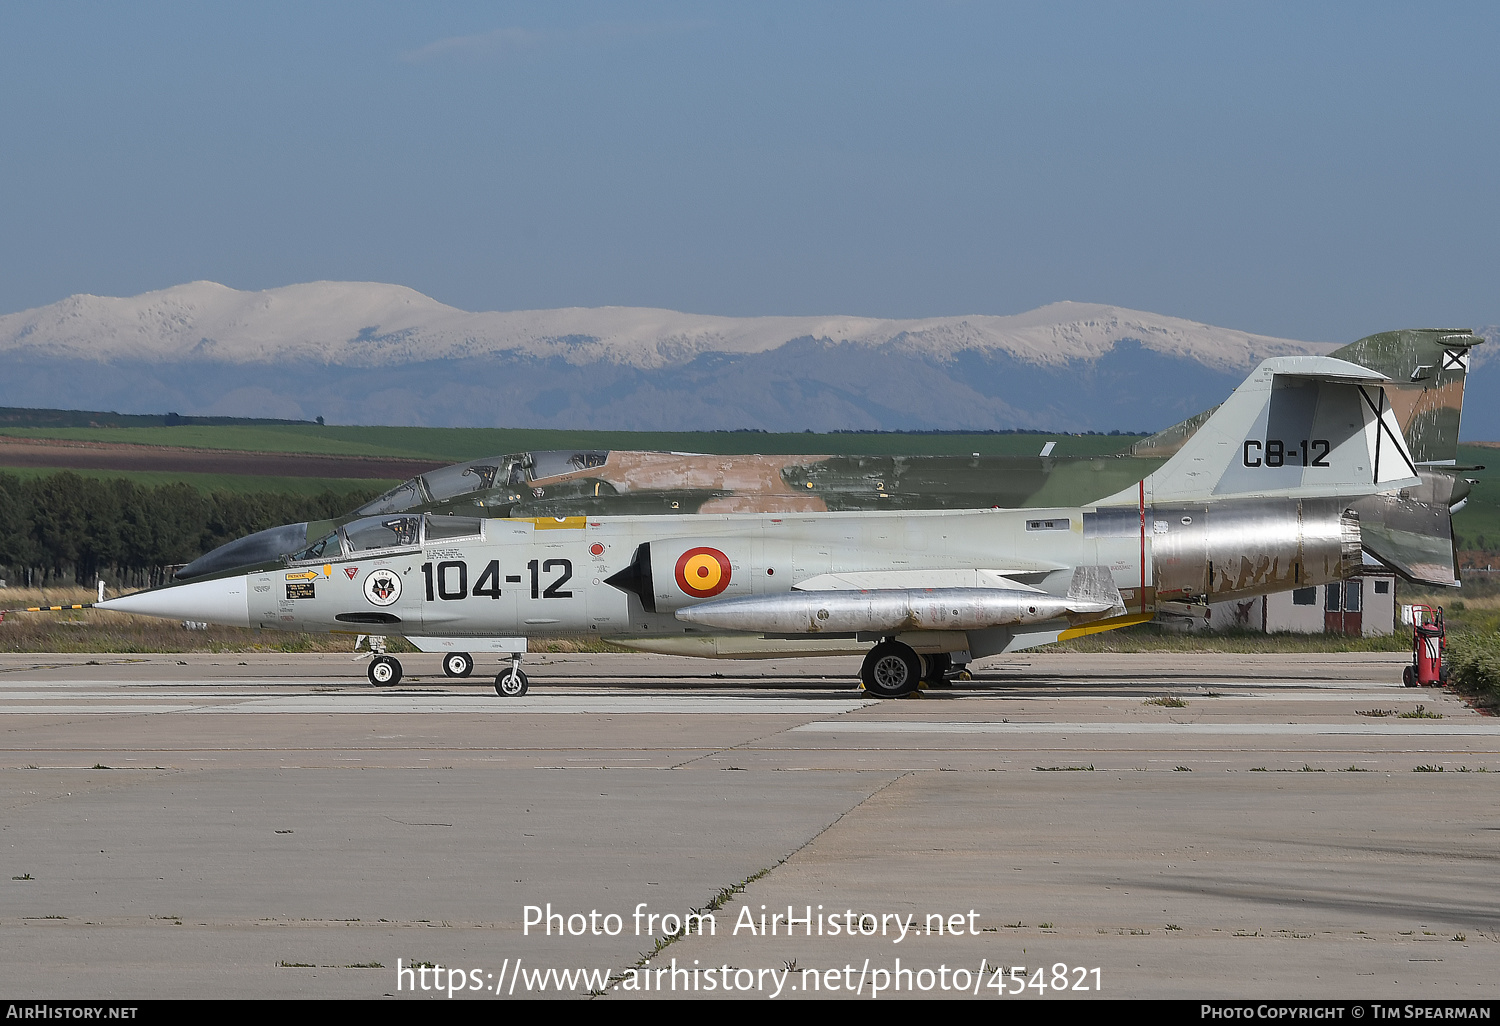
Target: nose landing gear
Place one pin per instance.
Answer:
(511, 682)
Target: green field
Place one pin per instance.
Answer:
(244, 484)
(1477, 526)
(456, 444)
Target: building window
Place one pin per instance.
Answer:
(1382, 587)
(1353, 592)
(1332, 597)
(1305, 597)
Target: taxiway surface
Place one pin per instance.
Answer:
(1189, 826)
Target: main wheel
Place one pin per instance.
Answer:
(458, 664)
(938, 666)
(891, 670)
(384, 671)
(511, 683)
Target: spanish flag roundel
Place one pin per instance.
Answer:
(703, 572)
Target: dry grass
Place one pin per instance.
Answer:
(105, 631)
(1149, 637)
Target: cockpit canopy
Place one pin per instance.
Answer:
(483, 475)
(389, 533)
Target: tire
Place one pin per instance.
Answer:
(511, 683)
(384, 671)
(1409, 677)
(938, 666)
(891, 670)
(458, 664)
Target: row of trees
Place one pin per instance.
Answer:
(68, 527)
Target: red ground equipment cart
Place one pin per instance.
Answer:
(1429, 645)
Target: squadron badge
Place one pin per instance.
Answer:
(382, 586)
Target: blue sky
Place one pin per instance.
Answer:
(1316, 171)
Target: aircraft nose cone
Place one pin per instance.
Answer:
(261, 547)
(225, 601)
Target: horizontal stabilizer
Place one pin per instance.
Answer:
(1415, 539)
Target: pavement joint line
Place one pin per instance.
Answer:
(1414, 728)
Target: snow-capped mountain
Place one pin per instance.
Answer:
(358, 352)
(366, 324)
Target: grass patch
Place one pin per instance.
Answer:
(1152, 638)
(1170, 701)
(1474, 666)
(1429, 768)
(1421, 712)
(456, 444)
(1065, 769)
(103, 631)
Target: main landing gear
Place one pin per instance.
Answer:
(893, 669)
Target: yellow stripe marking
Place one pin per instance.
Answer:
(554, 523)
(1113, 623)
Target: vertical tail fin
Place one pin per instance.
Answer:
(1298, 426)
(1427, 368)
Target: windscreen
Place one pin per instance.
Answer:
(326, 547)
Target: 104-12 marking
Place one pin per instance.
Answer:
(449, 580)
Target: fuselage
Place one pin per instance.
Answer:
(428, 575)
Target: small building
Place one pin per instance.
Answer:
(1364, 606)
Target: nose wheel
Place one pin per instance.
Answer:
(511, 682)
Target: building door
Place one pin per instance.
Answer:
(1343, 608)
